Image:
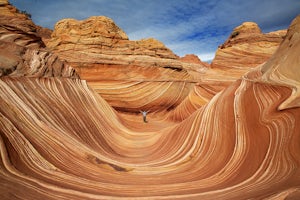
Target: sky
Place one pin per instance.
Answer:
(184, 26)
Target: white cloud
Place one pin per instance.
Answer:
(189, 26)
(207, 57)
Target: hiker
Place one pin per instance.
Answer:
(144, 113)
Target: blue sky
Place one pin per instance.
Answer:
(184, 26)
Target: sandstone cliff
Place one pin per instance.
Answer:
(101, 42)
(101, 35)
(247, 47)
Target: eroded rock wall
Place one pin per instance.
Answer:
(247, 47)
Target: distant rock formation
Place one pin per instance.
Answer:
(101, 35)
(191, 58)
(247, 47)
(102, 43)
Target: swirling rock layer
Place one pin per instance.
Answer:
(103, 55)
(247, 47)
(59, 139)
(65, 142)
(21, 48)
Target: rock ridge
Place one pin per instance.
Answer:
(101, 35)
(283, 67)
(247, 47)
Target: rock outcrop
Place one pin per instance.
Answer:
(103, 55)
(17, 27)
(44, 33)
(101, 42)
(22, 50)
(59, 139)
(191, 58)
(247, 47)
(283, 68)
(18, 61)
(102, 36)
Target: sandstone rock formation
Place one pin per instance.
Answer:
(283, 67)
(59, 139)
(191, 58)
(103, 55)
(102, 35)
(21, 52)
(44, 33)
(102, 43)
(247, 47)
(17, 27)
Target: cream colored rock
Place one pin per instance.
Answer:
(283, 67)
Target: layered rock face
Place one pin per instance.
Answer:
(103, 55)
(283, 67)
(101, 35)
(17, 27)
(59, 139)
(21, 48)
(191, 58)
(247, 47)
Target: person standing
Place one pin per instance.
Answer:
(144, 113)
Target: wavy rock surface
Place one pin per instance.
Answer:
(103, 55)
(283, 68)
(247, 47)
(90, 154)
(17, 27)
(21, 48)
(59, 139)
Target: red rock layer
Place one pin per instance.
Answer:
(67, 143)
(21, 48)
(191, 58)
(247, 47)
(102, 54)
(44, 33)
(201, 94)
